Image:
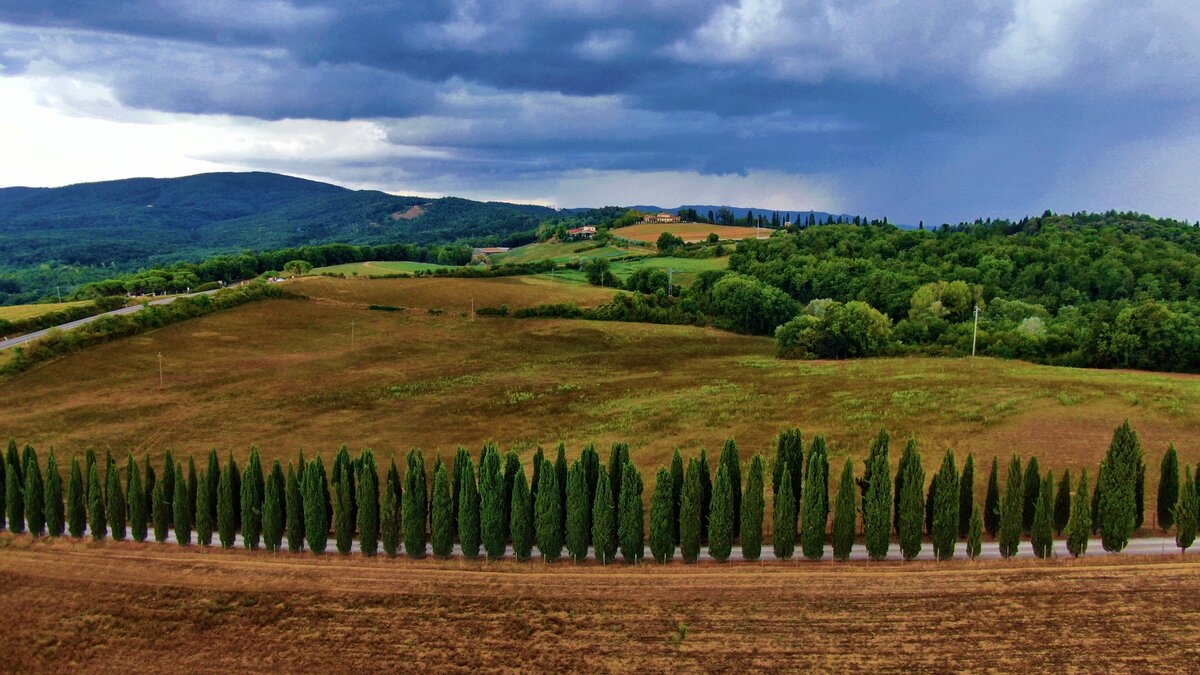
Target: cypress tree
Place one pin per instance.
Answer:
(252, 501)
(96, 517)
(818, 445)
(991, 502)
(617, 458)
(236, 474)
(389, 521)
(706, 488)
(604, 520)
(1042, 532)
(946, 509)
(491, 502)
(689, 513)
(115, 503)
(456, 482)
(274, 508)
(549, 516)
(1033, 487)
(1118, 491)
(974, 533)
(632, 516)
(676, 493)
(90, 461)
(816, 498)
(35, 496)
(343, 467)
(733, 465)
(12, 461)
(752, 512)
(521, 525)
(316, 528)
(538, 458)
(909, 456)
(159, 510)
(560, 475)
(911, 506)
(591, 474)
(966, 496)
(1011, 507)
(720, 519)
(168, 480)
(16, 501)
(148, 482)
(877, 512)
(1062, 503)
(1184, 514)
(1079, 528)
(512, 464)
(294, 504)
(193, 486)
(1168, 488)
(204, 523)
(212, 477)
(441, 516)
(415, 504)
(135, 500)
(662, 534)
(182, 509)
(226, 522)
(396, 485)
(368, 505)
(55, 520)
(844, 515)
(784, 518)
(578, 524)
(76, 513)
(789, 453)
(468, 512)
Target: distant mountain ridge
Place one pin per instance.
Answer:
(737, 211)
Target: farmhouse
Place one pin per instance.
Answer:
(663, 217)
(585, 232)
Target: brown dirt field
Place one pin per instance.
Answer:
(149, 607)
(451, 294)
(689, 232)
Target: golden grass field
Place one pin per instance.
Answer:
(80, 606)
(689, 232)
(19, 312)
(376, 268)
(450, 294)
(281, 374)
(566, 252)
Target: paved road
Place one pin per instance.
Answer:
(991, 550)
(22, 339)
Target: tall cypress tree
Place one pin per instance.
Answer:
(389, 521)
(1033, 488)
(168, 480)
(1184, 514)
(55, 520)
(193, 486)
(538, 458)
(720, 519)
(689, 514)
(212, 479)
(252, 501)
(342, 466)
(578, 524)
(115, 503)
(226, 522)
(909, 456)
(815, 500)
(818, 445)
(148, 481)
(236, 474)
(181, 509)
(784, 518)
(877, 512)
(89, 461)
(1118, 489)
(733, 465)
(677, 493)
(491, 502)
(16, 501)
(1062, 503)
(560, 476)
(662, 534)
(415, 505)
(1079, 528)
(966, 495)
(706, 488)
(604, 520)
(160, 510)
(367, 502)
(991, 502)
(974, 533)
(97, 522)
(274, 508)
(789, 452)
(35, 496)
(616, 471)
(512, 464)
(912, 506)
(521, 525)
(591, 474)
(752, 511)
(135, 500)
(632, 516)
(1042, 533)
(456, 480)
(1011, 507)
(1168, 488)
(441, 513)
(549, 516)
(316, 527)
(468, 512)
(204, 522)
(946, 509)
(76, 512)
(844, 514)
(12, 462)
(294, 505)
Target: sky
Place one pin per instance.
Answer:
(924, 110)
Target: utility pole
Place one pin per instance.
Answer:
(160, 371)
(670, 280)
(975, 334)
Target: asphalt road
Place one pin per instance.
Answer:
(22, 339)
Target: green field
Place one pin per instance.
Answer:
(561, 253)
(685, 269)
(378, 268)
(20, 312)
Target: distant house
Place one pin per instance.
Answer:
(491, 250)
(585, 232)
(663, 217)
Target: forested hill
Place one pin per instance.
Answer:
(88, 231)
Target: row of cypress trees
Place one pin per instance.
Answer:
(588, 506)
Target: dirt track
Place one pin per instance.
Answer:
(107, 606)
